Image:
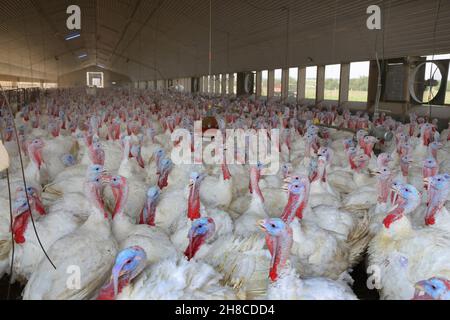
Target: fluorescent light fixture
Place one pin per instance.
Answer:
(101, 66)
(72, 36)
(83, 55)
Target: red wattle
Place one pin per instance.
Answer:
(225, 172)
(40, 207)
(38, 157)
(194, 246)
(352, 163)
(107, 292)
(140, 161)
(20, 226)
(288, 214)
(162, 181)
(194, 209)
(430, 218)
(273, 273)
(391, 218)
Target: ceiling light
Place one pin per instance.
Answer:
(72, 36)
(83, 55)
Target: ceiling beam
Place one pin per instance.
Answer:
(127, 25)
(41, 12)
(152, 13)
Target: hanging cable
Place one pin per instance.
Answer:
(210, 48)
(438, 8)
(379, 84)
(11, 220)
(20, 154)
(23, 175)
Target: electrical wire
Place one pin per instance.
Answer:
(438, 8)
(11, 269)
(23, 176)
(210, 48)
(20, 155)
(13, 247)
(379, 84)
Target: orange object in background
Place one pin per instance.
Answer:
(209, 122)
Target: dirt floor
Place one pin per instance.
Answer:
(359, 287)
(15, 290)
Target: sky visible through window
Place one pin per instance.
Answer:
(311, 78)
(359, 81)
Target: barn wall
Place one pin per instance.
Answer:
(78, 78)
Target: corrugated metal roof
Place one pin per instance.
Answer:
(172, 35)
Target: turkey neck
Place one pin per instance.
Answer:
(36, 156)
(294, 207)
(148, 213)
(383, 185)
(437, 199)
(226, 175)
(280, 248)
(404, 166)
(121, 197)
(194, 202)
(99, 217)
(126, 151)
(322, 170)
(396, 224)
(255, 175)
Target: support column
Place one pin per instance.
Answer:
(284, 84)
(224, 84)
(344, 83)
(211, 84)
(372, 86)
(203, 84)
(217, 89)
(258, 84)
(301, 84)
(270, 83)
(320, 86)
(230, 83)
(160, 84)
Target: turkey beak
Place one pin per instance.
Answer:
(375, 172)
(420, 286)
(419, 291)
(426, 181)
(106, 179)
(395, 195)
(261, 224)
(116, 274)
